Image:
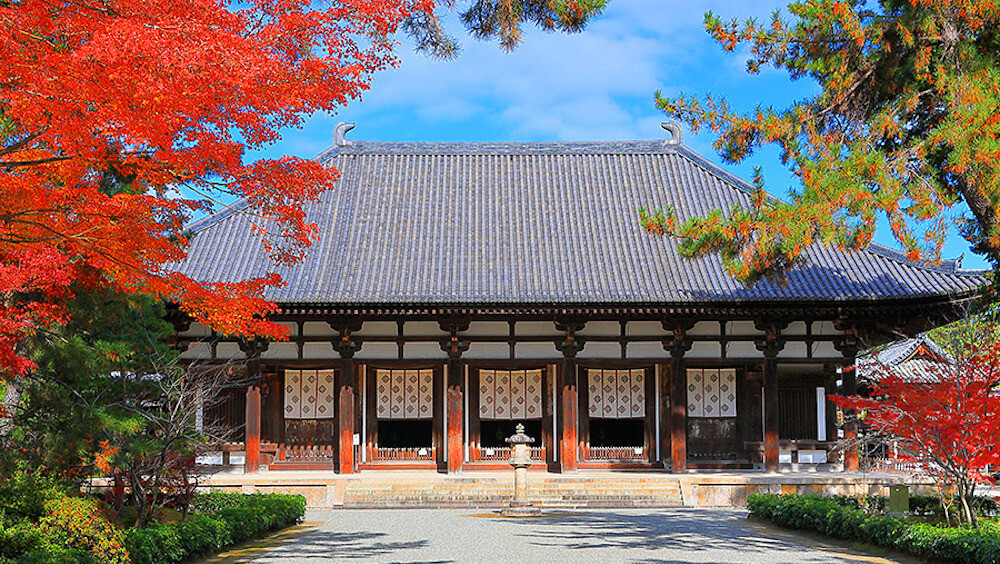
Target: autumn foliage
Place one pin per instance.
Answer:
(947, 419)
(903, 131)
(121, 120)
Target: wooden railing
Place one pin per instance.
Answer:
(502, 454)
(408, 453)
(309, 452)
(891, 466)
(617, 453)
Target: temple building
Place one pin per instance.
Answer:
(458, 289)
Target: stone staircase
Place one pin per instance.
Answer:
(545, 491)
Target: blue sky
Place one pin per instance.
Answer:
(597, 85)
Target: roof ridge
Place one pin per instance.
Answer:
(953, 266)
(642, 146)
(211, 219)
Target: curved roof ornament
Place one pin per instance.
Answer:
(340, 133)
(676, 133)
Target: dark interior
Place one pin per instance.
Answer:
(493, 432)
(617, 433)
(405, 433)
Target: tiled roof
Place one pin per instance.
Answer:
(899, 359)
(523, 223)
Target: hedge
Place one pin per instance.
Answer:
(837, 518)
(220, 520)
(74, 530)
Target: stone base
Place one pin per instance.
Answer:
(520, 509)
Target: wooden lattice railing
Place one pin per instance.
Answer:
(617, 453)
(408, 453)
(309, 452)
(502, 454)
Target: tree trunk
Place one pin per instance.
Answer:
(986, 216)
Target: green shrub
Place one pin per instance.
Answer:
(839, 517)
(23, 495)
(81, 524)
(219, 520)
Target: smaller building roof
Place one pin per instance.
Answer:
(917, 359)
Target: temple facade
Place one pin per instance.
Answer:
(458, 289)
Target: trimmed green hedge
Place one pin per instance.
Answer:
(220, 520)
(837, 518)
(72, 530)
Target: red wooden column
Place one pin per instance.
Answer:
(346, 384)
(771, 345)
(771, 450)
(253, 349)
(677, 344)
(850, 379)
(678, 415)
(567, 395)
(251, 463)
(455, 402)
(666, 370)
(848, 347)
(454, 346)
(568, 402)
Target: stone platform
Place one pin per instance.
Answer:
(590, 488)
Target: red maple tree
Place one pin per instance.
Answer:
(945, 419)
(120, 120)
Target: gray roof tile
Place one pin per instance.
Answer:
(507, 223)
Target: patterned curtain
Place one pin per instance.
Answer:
(617, 394)
(404, 394)
(711, 392)
(309, 394)
(510, 394)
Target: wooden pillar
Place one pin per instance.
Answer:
(252, 347)
(251, 462)
(567, 394)
(666, 413)
(678, 415)
(677, 345)
(851, 458)
(454, 399)
(771, 449)
(567, 403)
(347, 382)
(848, 347)
(455, 402)
(771, 345)
(549, 423)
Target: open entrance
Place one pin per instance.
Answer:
(308, 425)
(402, 428)
(504, 399)
(712, 433)
(617, 427)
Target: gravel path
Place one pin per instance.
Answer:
(594, 536)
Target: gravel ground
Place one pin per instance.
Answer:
(591, 536)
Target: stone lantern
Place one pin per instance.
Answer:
(520, 459)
